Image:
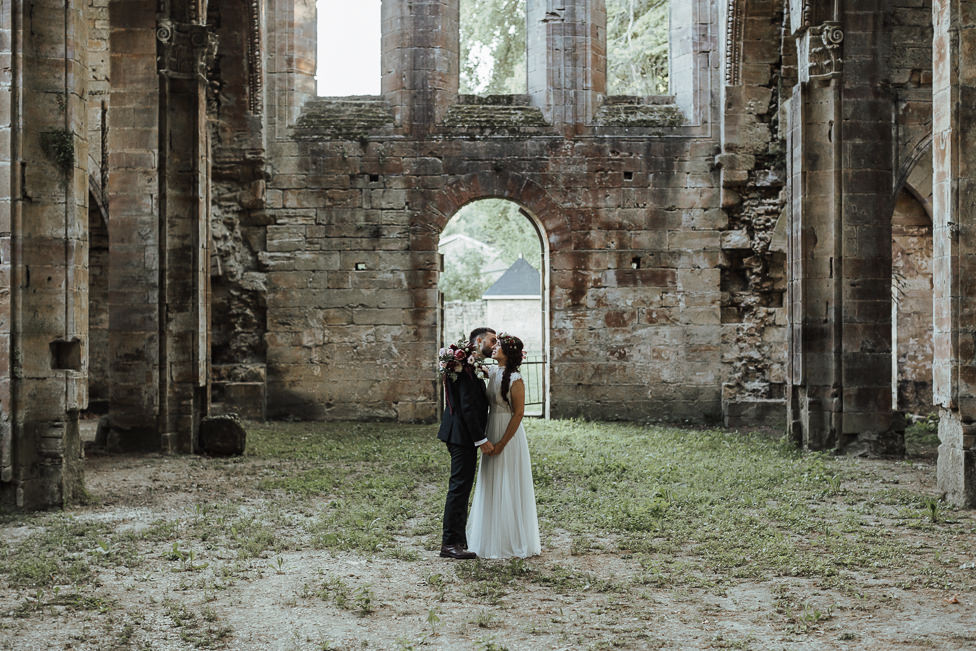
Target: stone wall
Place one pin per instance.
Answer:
(753, 269)
(627, 198)
(461, 317)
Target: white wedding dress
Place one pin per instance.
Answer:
(503, 522)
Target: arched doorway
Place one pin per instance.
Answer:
(493, 273)
(911, 305)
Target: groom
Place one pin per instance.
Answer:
(463, 429)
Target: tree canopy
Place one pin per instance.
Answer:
(496, 222)
(637, 47)
(493, 47)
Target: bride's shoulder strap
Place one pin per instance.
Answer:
(515, 376)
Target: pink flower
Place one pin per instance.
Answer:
(442, 352)
(459, 355)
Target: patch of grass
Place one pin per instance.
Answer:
(922, 438)
(202, 630)
(63, 551)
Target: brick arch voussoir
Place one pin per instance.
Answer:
(516, 188)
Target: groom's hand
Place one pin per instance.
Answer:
(487, 448)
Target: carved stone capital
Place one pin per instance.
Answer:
(825, 60)
(186, 50)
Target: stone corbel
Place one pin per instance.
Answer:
(186, 50)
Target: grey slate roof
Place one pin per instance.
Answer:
(521, 279)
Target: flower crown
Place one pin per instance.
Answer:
(506, 339)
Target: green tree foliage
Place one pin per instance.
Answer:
(637, 47)
(463, 279)
(493, 47)
(496, 222)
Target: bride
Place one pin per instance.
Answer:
(503, 520)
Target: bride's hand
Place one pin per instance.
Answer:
(498, 450)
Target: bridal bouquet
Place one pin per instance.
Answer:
(452, 359)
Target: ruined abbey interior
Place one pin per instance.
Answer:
(188, 230)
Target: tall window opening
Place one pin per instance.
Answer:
(348, 57)
(637, 47)
(493, 47)
(494, 266)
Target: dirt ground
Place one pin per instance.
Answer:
(304, 598)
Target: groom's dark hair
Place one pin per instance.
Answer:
(477, 332)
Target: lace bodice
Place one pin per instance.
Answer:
(495, 388)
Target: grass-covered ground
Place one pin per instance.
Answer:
(324, 536)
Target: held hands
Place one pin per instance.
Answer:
(487, 448)
(496, 450)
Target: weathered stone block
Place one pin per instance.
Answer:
(222, 436)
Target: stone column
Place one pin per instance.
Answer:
(133, 230)
(46, 225)
(7, 130)
(567, 60)
(954, 244)
(840, 235)
(186, 49)
(420, 60)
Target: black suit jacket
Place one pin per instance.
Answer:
(466, 412)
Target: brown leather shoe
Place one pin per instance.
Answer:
(456, 551)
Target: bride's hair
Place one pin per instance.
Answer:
(512, 347)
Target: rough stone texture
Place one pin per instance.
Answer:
(44, 222)
(752, 163)
(841, 175)
(133, 203)
(954, 242)
(238, 281)
(911, 261)
(222, 241)
(222, 436)
(631, 214)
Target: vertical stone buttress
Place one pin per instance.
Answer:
(840, 233)
(186, 49)
(133, 232)
(44, 233)
(7, 166)
(954, 244)
(420, 64)
(567, 60)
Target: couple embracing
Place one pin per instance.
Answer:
(503, 521)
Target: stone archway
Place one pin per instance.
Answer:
(543, 212)
(508, 295)
(911, 306)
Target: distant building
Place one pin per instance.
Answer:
(455, 247)
(514, 305)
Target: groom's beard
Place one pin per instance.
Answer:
(486, 351)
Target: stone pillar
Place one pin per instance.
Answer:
(133, 197)
(7, 130)
(567, 60)
(46, 228)
(840, 235)
(186, 50)
(954, 244)
(420, 60)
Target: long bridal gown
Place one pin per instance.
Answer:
(503, 522)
